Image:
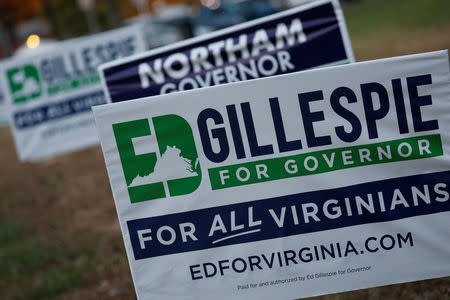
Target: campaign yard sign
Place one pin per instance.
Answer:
(305, 37)
(291, 186)
(50, 94)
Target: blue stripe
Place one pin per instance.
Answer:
(202, 219)
(46, 113)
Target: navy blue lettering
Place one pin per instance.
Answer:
(372, 114)
(193, 272)
(208, 272)
(129, 44)
(310, 117)
(336, 96)
(99, 52)
(87, 59)
(400, 106)
(73, 61)
(223, 267)
(417, 101)
(255, 149)
(112, 48)
(236, 131)
(216, 133)
(283, 144)
(46, 71)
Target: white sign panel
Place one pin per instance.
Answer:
(292, 186)
(50, 94)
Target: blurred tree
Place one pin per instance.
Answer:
(88, 8)
(48, 12)
(113, 13)
(65, 17)
(19, 11)
(5, 38)
(13, 12)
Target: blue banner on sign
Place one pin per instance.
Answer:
(287, 43)
(379, 201)
(43, 114)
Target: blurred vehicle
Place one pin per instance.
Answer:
(178, 22)
(165, 26)
(218, 15)
(159, 33)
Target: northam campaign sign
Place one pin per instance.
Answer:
(305, 37)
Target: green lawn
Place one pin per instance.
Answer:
(374, 17)
(382, 28)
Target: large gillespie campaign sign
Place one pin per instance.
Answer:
(51, 93)
(305, 37)
(291, 186)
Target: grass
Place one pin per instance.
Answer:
(59, 233)
(44, 266)
(52, 283)
(375, 17)
(382, 28)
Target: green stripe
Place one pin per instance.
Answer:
(316, 162)
(92, 78)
